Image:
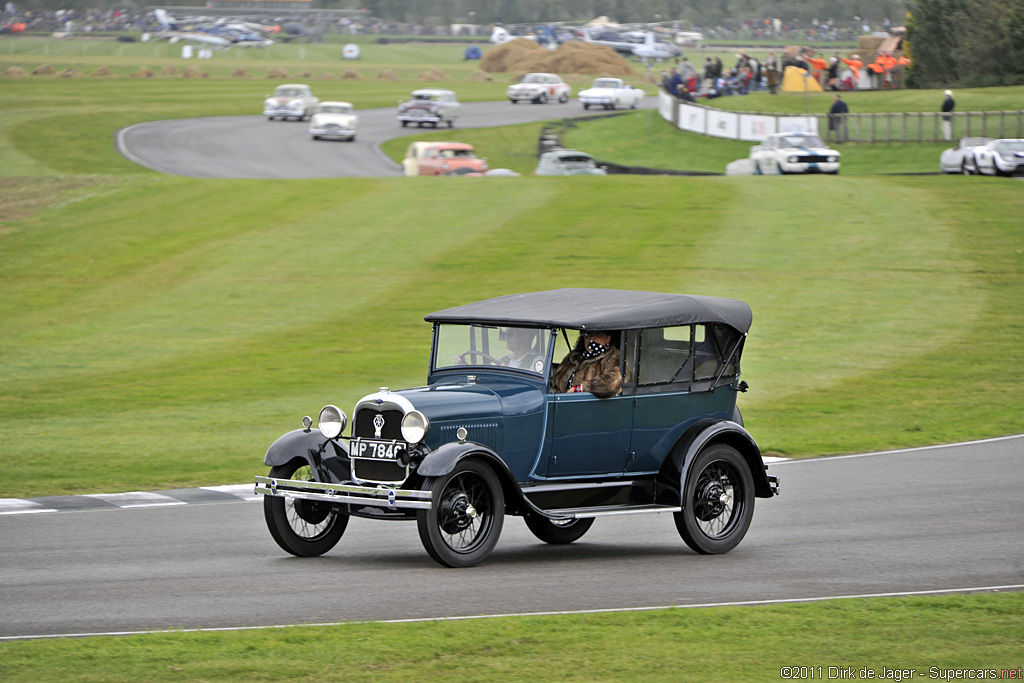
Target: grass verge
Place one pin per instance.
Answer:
(928, 636)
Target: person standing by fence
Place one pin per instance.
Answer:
(837, 118)
(948, 105)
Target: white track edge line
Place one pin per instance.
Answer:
(608, 610)
(829, 458)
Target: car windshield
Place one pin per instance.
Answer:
(335, 109)
(460, 153)
(492, 346)
(1010, 146)
(288, 92)
(802, 141)
(607, 83)
(534, 78)
(576, 161)
(428, 98)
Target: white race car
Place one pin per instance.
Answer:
(611, 93)
(784, 153)
(960, 159)
(290, 101)
(539, 88)
(334, 120)
(984, 156)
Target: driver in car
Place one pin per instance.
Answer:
(593, 365)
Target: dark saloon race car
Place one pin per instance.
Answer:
(489, 435)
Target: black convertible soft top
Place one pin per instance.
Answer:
(599, 309)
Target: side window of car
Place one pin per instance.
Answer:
(665, 356)
(715, 348)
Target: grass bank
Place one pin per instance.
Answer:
(927, 636)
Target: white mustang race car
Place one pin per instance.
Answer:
(539, 88)
(784, 153)
(611, 93)
(984, 156)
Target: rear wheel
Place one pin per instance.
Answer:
(543, 98)
(305, 528)
(564, 98)
(718, 501)
(558, 532)
(463, 524)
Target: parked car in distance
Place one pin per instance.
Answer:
(442, 158)
(335, 120)
(431, 106)
(960, 159)
(539, 88)
(567, 162)
(611, 93)
(784, 153)
(290, 101)
(984, 156)
(491, 434)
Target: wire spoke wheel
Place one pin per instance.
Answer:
(558, 531)
(305, 528)
(464, 522)
(718, 501)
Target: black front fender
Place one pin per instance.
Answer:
(304, 443)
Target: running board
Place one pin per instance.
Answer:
(583, 513)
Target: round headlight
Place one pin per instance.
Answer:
(331, 422)
(414, 426)
(793, 160)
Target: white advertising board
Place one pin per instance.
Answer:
(755, 127)
(723, 124)
(693, 119)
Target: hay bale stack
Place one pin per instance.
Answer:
(15, 72)
(194, 72)
(526, 56)
(102, 71)
(480, 75)
(67, 73)
(351, 75)
(240, 72)
(43, 70)
(306, 73)
(433, 75)
(144, 72)
(277, 73)
(327, 76)
(387, 75)
(168, 71)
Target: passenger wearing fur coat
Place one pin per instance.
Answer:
(592, 366)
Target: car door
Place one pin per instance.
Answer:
(589, 435)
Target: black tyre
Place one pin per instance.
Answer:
(543, 98)
(558, 533)
(964, 168)
(462, 526)
(778, 169)
(404, 124)
(304, 528)
(563, 99)
(586, 106)
(718, 501)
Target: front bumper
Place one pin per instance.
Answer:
(364, 496)
(603, 101)
(283, 112)
(333, 132)
(417, 116)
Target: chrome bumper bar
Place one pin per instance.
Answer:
(373, 496)
(775, 483)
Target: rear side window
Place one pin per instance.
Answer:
(666, 355)
(680, 358)
(715, 352)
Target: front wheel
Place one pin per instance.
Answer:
(542, 99)
(558, 532)
(718, 501)
(463, 524)
(305, 528)
(563, 99)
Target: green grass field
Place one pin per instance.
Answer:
(160, 332)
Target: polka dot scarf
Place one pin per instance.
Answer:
(594, 349)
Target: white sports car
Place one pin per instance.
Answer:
(784, 153)
(611, 93)
(539, 88)
(334, 120)
(290, 101)
(984, 156)
(960, 159)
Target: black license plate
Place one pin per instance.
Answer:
(376, 450)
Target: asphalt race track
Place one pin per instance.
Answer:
(938, 519)
(253, 147)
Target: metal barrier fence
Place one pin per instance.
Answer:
(887, 127)
(891, 127)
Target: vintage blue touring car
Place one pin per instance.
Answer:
(489, 436)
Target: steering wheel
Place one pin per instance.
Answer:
(484, 356)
